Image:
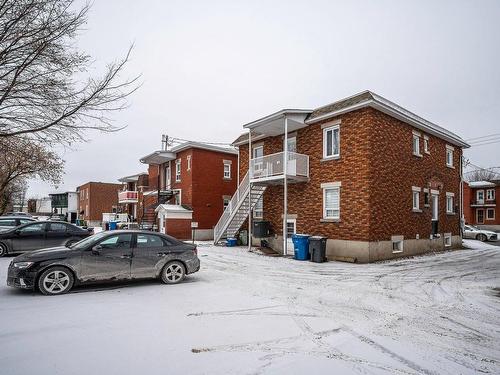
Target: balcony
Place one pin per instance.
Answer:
(483, 203)
(269, 169)
(127, 196)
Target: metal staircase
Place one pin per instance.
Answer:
(236, 212)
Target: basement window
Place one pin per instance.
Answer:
(397, 244)
(447, 239)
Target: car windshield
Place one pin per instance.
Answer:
(80, 245)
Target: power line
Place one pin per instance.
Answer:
(484, 136)
(207, 143)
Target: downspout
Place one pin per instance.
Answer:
(285, 188)
(249, 189)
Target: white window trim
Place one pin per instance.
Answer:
(178, 167)
(416, 137)
(415, 192)
(228, 164)
(325, 130)
(447, 237)
(426, 144)
(477, 196)
(188, 162)
(179, 195)
(490, 210)
(449, 150)
(400, 241)
(452, 196)
(326, 186)
(488, 198)
(294, 222)
(256, 147)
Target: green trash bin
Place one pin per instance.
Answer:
(243, 237)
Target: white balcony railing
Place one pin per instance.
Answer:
(272, 166)
(127, 196)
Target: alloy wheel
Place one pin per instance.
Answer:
(3, 249)
(173, 273)
(56, 282)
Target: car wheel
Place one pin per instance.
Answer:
(481, 237)
(3, 249)
(55, 280)
(173, 273)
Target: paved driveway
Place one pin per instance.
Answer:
(248, 314)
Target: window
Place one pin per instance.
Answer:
(227, 170)
(167, 176)
(416, 144)
(225, 202)
(33, 228)
(447, 239)
(291, 227)
(416, 198)
(480, 196)
(397, 244)
(490, 214)
(331, 142)
(426, 144)
(178, 170)
(426, 198)
(490, 194)
(449, 203)
(291, 144)
(449, 156)
(149, 240)
(57, 227)
(8, 223)
(331, 200)
(177, 196)
(117, 242)
(24, 221)
(258, 210)
(189, 162)
(258, 151)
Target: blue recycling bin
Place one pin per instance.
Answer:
(301, 246)
(113, 225)
(231, 242)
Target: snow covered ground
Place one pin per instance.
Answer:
(248, 314)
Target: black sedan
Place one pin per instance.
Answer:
(38, 235)
(107, 256)
(9, 222)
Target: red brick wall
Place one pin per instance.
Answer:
(178, 228)
(100, 197)
(376, 169)
(209, 185)
(468, 214)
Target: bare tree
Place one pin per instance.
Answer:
(44, 94)
(22, 159)
(481, 174)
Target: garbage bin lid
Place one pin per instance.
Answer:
(300, 235)
(317, 238)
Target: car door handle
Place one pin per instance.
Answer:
(126, 256)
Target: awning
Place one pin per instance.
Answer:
(274, 124)
(158, 157)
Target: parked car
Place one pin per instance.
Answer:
(106, 256)
(18, 213)
(9, 222)
(476, 233)
(38, 235)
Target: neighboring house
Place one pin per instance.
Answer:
(96, 198)
(40, 206)
(375, 179)
(191, 182)
(480, 204)
(65, 204)
(130, 198)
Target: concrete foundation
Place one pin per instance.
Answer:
(367, 252)
(203, 234)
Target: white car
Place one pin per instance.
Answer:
(479, 234)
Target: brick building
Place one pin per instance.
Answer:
(132, 196)
(480, 204)
(96, 198)
(375, 179)
(191, 182)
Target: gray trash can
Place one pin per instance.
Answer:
(317, 249)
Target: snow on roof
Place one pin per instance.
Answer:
(476, 184)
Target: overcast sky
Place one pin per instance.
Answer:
(210, 66)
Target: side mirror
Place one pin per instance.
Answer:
(96, 250)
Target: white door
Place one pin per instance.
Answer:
(435, 207)
(291, 229)
(162, 224)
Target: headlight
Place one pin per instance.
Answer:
(22, 265)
